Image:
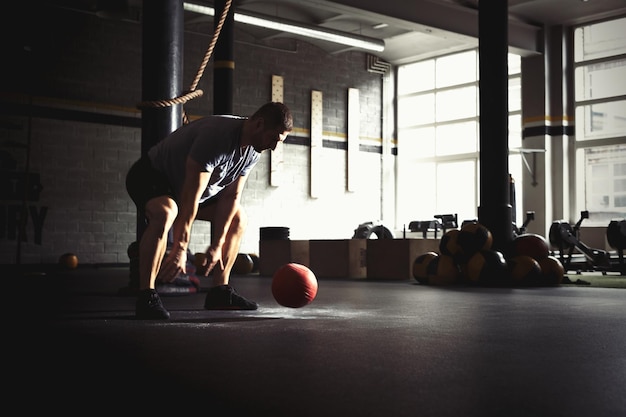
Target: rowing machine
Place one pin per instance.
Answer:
(566, 238)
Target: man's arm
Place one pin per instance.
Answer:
(227, 205)
(196, 181)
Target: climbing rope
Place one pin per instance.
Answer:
(192, 92)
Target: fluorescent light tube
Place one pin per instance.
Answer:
(328, 35)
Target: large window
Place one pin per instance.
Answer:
(600, 102)
(438, 142)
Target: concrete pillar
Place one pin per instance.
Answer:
(224, 62)
(162, 73)
(534, 136)
(494, 211)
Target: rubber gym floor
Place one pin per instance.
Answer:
(361, 348)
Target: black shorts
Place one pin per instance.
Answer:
(144, 183)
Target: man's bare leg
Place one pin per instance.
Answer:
(222, 296)
(230, 250)
(160, 213)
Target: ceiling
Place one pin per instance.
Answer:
(414, 29)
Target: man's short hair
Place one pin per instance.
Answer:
(276, 115)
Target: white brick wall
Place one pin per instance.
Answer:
(83, 164)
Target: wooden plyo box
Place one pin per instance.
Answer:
(342, 258)
(393, 258)
(275, 253)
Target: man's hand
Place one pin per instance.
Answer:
(173, 264)
(213, 258)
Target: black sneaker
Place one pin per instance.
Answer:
(224, 297)
(149, 306)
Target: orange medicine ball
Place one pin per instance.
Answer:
(294, 285)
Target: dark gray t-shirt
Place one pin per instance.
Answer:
(213, 142)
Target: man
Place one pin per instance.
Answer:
(199, 172)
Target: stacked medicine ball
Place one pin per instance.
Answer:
(466, 256)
